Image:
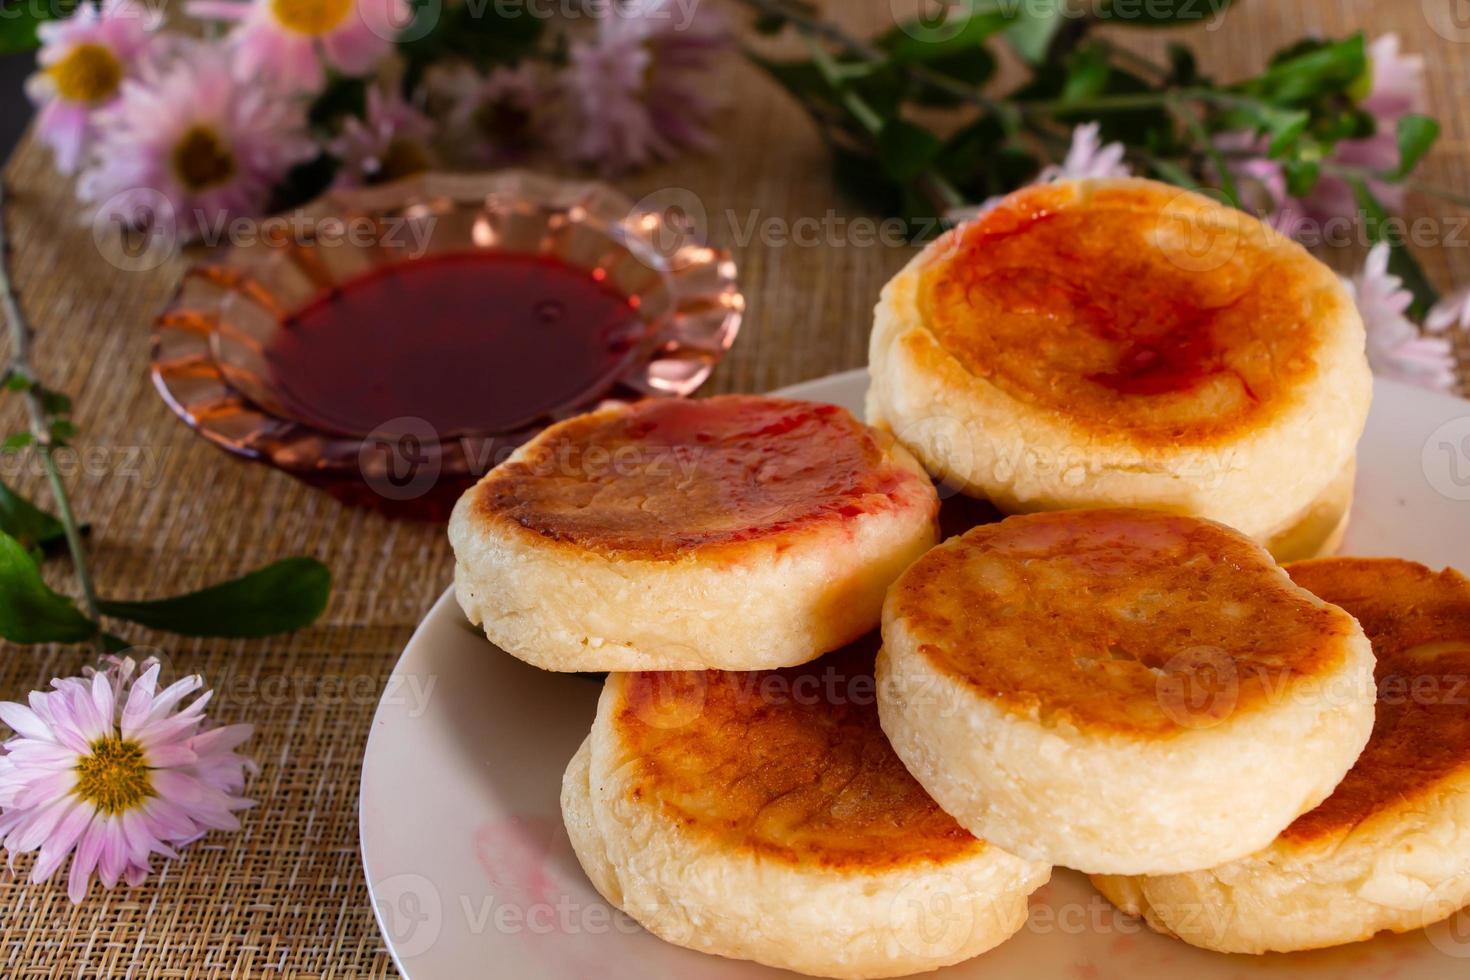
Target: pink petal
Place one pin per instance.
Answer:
(24, 721)
(42, 823)
(44, 790)
(82, 865)
(223, 739)
(169, 756)
(355, 49)
(217, 9)
(43, 755)
(140, 701)
(102, 699)
(55, 850)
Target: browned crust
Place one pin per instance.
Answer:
(666, 477)
(1419, 623)
(790, 765)
(1062, 298)
(1116, 621)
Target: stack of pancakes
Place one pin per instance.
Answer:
(1119, 679)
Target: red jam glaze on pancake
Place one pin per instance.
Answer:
(1419, 623)
(1115, 621)
(1068, 301)
(789, 764)
(670, 475)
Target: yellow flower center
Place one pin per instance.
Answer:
(203, 160)
(311, 17)
(87, 73)
(402, 158)
(113, 778)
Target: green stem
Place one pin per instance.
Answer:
(1359, 173)
(40, 421)
(815, 28)
(1125, 101)
(872, 122)
(1207, 145)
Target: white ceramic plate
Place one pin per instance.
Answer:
(471, 873)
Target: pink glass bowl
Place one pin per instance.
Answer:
(210, 343)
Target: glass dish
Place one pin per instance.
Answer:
(210, 344)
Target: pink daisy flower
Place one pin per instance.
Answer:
(1396, 348)
(639, 90)
(194, 141)
(84, 60)
(491, 118)
(290, 40)
(1395, 88)
(108, 770)
(1087, 157)
(1452, 311)
(394, 140)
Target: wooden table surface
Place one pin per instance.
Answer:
(285, 897)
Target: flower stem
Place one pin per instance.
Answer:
(40, 421)
(1360, 173)
(820, 29)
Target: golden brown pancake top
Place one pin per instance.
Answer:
(1133, 309)
(1419, 623)
(669, 475)
(790, 764)
(1115, 621)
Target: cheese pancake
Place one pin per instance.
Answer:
(763, 816)
(1126, 343)
(1111, 689)
(1390, 848)
(737, 532)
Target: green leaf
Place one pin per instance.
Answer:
(906, 150)
(1302, 177)
(484, 34)
(921, 42)
(1183, 67)
(1161, 13)
(1174, 174)
(17, 383)
(1283, 127)
(304, 182)
(859, 177)
(973, 67)
(19, 21)
(1035, 27)
(1321, 70)
(342, 96)
(1381, 228)
(27, 523)
(54, 402)
(30, 611)
(18, 440)
(62, 430)
(279, 598)
(1416, 135)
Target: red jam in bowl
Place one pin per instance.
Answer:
(467, 342)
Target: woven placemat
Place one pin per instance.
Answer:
(285, 897)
